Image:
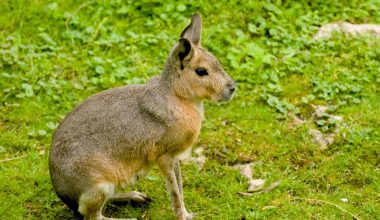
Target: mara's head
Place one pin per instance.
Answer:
(195, 73)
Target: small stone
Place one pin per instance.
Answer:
(255, 185)
(320, 110)
(323, 140)
(199, 159)
(245, 170)
(269, 207)
(344, 199)
(272, 186)
(42, 151)
(337, 117)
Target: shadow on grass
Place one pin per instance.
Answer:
(120, 209)
(111, 210)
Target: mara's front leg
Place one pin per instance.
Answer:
(177, 170)
(167, 165)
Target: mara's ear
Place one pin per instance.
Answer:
(194, 30)
(183, 52)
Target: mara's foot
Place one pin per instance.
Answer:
(133, 196)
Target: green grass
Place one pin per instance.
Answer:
(55, 54)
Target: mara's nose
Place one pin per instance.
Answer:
(231, 86)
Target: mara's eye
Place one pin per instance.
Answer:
(201, 72)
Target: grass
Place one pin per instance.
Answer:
(55, 54)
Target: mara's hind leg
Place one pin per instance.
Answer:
(91, 202)
(133, 196)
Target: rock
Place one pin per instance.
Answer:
(199, 159)
(272, 186)
(320, 110)
(344, 27)
(245, 170)
(323, 140)
(255, 185)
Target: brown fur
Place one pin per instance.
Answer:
(118, 134)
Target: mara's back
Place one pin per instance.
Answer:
(105, 123)
(99, 140)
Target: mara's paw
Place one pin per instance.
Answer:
(133, 196)
(139, 197)
(190, 215)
